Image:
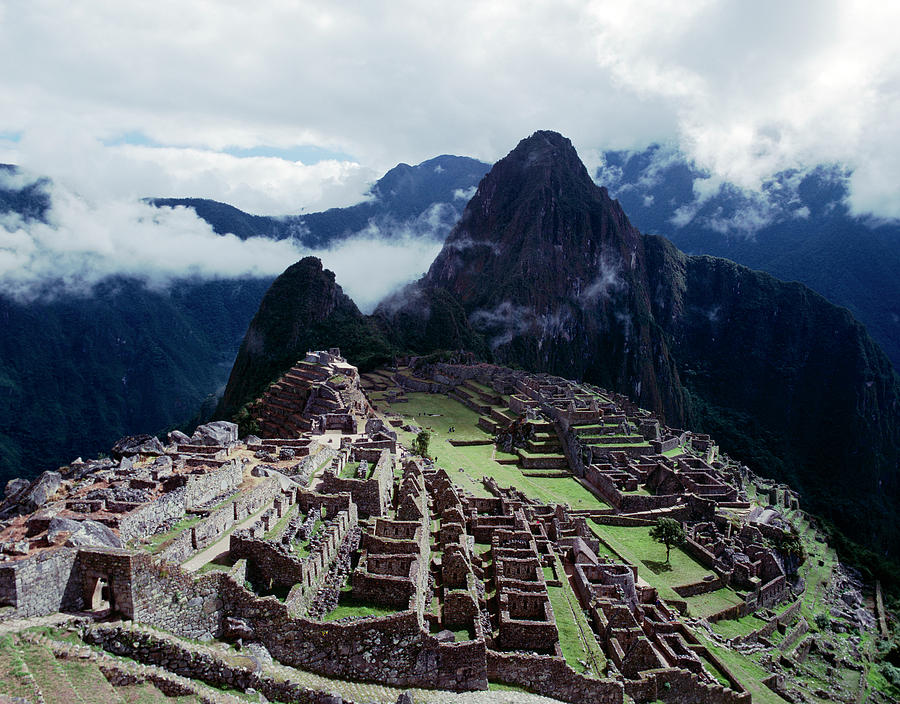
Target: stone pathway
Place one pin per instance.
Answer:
(15, 625)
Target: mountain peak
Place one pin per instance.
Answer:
(546, 155)
(545, 145)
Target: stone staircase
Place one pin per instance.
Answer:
(544, 452)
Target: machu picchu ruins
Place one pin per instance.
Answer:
(315, 558)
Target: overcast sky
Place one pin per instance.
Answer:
(279, 107)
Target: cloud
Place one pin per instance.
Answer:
(256, 184)
(765, 87)
(369, 267)
(503, 322)
(607, 282)
(83, 242)
(744, 89)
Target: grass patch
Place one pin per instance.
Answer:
(739, 627)
(275, 531)
(636, 546)
(156, 542)
(747, 672)
(704, 605)
(349, 470)
(350, 607)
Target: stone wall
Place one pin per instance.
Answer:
(43, 583)
(552, 677)
(202, 488)
(151, 649)
(626, 503)
(169, 598)
(675, 686)
(273, 564)
(371, 496)
(392, 649)
(216, 524)
(788, 615)
(701, 587)
(147, 519)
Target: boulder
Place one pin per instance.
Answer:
(82, 533)
(405, 698)
(220, 433)
(20, 547)
(42, 489)
(14, 486)
(132, 445)
(176, 437)
(252, 440)
(237, 628)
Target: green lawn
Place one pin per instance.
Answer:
(733, 628)
(637, 547)
(349, 470)
(575, 635)
(479, 461)
(703, 605)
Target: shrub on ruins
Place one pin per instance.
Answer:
(891, 673)
(668, 532)
(790, 548)
(822, 621)
(420, 444)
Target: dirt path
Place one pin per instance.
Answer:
(221, 546)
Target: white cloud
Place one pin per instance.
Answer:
(761, 87)
(745, 89)
(259, 185)
(368, 267)
(84, 242)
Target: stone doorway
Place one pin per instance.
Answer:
(100, 595)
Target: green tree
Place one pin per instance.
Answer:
(420, 444)
(669, 532)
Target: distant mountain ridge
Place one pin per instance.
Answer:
(428, 198)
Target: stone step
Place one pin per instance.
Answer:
(89, 682)
(49, 676)
(15, 677)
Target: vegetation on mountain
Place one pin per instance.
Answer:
(548, 269)
(78, 373)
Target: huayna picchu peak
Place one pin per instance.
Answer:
(570, 463)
